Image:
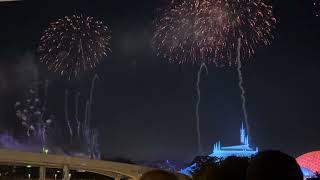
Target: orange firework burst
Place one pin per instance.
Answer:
(207, 31)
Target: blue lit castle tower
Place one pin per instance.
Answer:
(242, 150)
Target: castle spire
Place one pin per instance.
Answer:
(242, 135)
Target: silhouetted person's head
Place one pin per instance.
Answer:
(232, 168)
(159, 175)
(273, 165)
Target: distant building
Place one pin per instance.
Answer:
(309, 163)
(242, 150)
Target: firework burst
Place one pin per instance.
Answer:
(213, 31)
(198, 31)
(74, 44)
(34, 114)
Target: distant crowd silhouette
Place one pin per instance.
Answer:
(266, 165)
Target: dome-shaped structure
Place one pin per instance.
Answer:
(310, 161)
(307, 172)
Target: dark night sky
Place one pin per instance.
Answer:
(144, 107)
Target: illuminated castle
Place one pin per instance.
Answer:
(242, 150)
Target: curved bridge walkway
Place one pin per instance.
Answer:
(111, 169)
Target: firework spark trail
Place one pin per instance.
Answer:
(77, 113)
(91, 96)
(202, 67)
(243, 91)
(85, 124)
(91, 135)
(86, 129)
(44, 139)
(67, 115)
(43, 125)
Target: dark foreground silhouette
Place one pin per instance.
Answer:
(158, 175)
(233, 168)
(267, 165)
(273, 165)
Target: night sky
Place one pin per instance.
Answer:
(144, 106)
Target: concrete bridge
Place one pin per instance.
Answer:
(111, 169)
